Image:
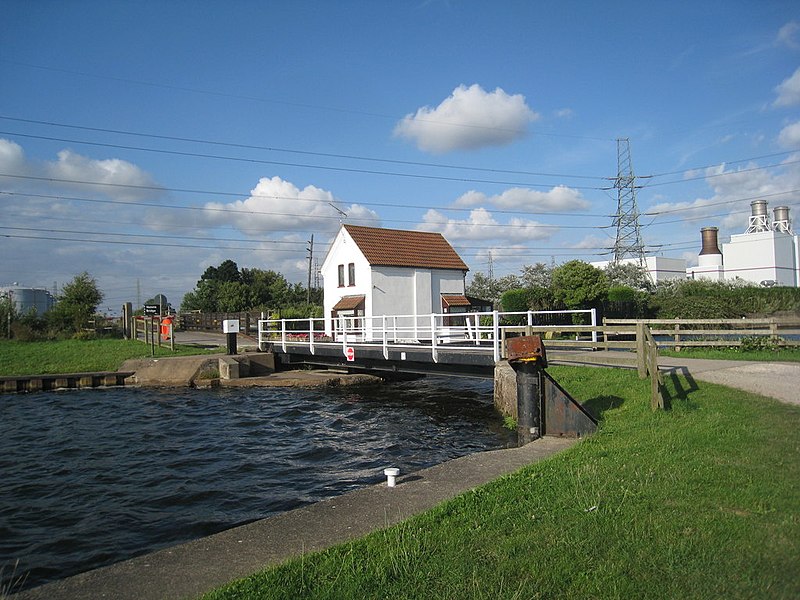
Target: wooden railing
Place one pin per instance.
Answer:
(647, 363)
(685, 333)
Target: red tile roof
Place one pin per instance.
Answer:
(398, 248)
(455, 300)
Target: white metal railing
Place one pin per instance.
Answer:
(474, 332)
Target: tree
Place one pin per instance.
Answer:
(78, 302)
(228, 270)
(631, 275)
(491, 289)
(233, 296)
(539, 275)
(579, 285)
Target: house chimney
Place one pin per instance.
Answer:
(759, 219)
(780, 219)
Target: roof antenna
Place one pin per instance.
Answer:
(342, 214)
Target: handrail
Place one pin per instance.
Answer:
(440, 330)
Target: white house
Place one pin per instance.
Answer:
(373, 272)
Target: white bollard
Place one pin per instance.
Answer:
(391, 476)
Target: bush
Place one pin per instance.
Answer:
(756, 343)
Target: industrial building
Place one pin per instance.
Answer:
(28, 300)
(765, 254)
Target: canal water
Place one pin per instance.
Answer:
(92, 477)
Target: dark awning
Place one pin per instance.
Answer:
(349, 303)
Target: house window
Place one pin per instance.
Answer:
(351, 273)
(341, 275)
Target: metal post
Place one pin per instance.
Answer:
(385, 342)
(311, 335)
(529, 400)
(594, 325)
(496, 335)
(283, 334)
(526, 355)
(434, 354)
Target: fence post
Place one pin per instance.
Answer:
(311, 335)
(283, 334)
(641, 363)
(656, 399)
(594, 325)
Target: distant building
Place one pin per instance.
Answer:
(372, 272)
(765, 254)
(658, 268)
(28, 300)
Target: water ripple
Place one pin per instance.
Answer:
(91, 477)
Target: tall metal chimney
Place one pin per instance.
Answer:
(780, 219)
(759, 219)
(710, 257)
(710, 245)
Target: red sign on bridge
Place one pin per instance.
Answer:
(350, 353)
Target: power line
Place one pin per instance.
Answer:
(295, 151)
(147, 235)
(288, 103)
(290, 164)
(296, 215)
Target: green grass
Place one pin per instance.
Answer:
(701, 501)
(783, 355)
(76, 356)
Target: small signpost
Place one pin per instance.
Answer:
(151, 310)
(350, 353)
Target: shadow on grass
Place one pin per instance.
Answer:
(598, 405)
(678, 386)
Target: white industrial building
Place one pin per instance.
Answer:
(659, 268)
(765, 254)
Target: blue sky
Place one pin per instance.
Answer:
(145, 141)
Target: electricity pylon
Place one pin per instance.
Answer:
(629, 238)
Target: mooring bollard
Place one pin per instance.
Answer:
(526, 356)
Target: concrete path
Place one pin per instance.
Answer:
(775, 379)
(193, 568)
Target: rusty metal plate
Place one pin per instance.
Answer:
(526, 347)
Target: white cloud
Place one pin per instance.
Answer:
(789, 137)
(789, 90)
(481, 225)
(114, 178)
(733, 190)
(565, 113)
(279, 205)
(469, 118)
(559, 199)
(788, 33)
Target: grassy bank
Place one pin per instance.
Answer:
(783, 355)
(698, 502)
(75, 356)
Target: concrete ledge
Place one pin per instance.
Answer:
(196, 567)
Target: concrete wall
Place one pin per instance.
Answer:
(505, 389)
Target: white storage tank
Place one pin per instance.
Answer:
(28, 300)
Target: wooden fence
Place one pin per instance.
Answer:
(709, 333)
(196, 321)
